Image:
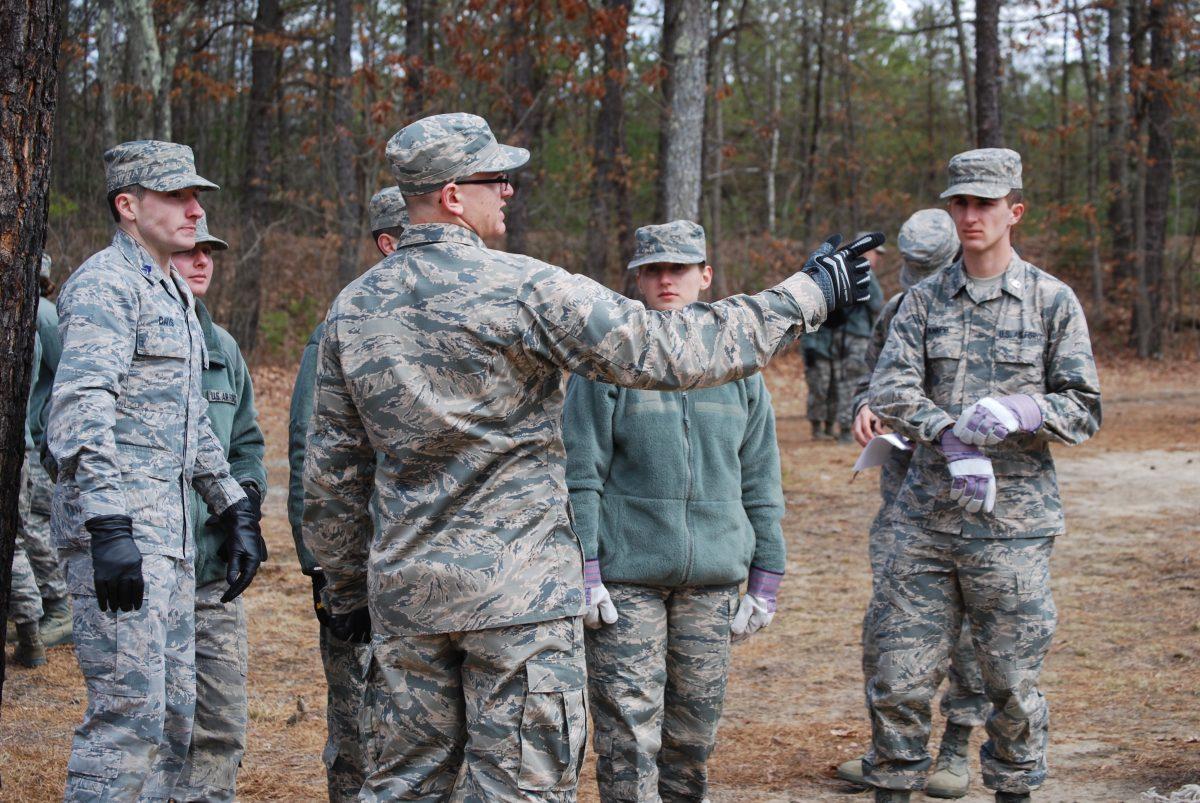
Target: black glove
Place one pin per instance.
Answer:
(319, 581)
(844, 276)
(244, 548)
(116, 563)
(354, 627)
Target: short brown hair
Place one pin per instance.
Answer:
(136, 190)
(1015, 197)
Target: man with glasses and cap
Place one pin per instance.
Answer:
(987, 364)
(222, 709)
(928, 242)
(439, 392)
(130, 435)
(344, 661)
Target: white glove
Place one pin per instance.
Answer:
(600, 608)
(752, 615)
(973, 484)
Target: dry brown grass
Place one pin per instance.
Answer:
(1123, 677)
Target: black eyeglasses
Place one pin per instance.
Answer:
(504, 179)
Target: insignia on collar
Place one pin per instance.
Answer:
(147, 270)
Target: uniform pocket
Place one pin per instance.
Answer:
(553, 726)
(162, 336)
(113, 648)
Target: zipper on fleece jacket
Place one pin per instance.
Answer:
(687, 523)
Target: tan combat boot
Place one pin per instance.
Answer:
(852, 771)
(30, 652)
(55, 624)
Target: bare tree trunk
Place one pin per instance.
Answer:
(1064, 97)
(525, 84)
(964, 63)
(1090, 82)
(1118, 212)
(606, 228)
(256, 194)
(682, 138)
(349, 205)
(1136, 151)
(29, 40)
(809, 174)
(415, 36)
(775, 92)
(1160, 158)
(989, 132)
(713, 142)
(147, 64)
(106, 74)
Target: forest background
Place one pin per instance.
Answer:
(772, 122)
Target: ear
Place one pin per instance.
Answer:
(386, 244)
(451, 199)
(706, 274)
(1017, 211)
(126, 204)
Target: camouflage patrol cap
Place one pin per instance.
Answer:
(984, 173)
(202, 236)
(387, 209)
(436, 150)
(680, 241)
(44, 270)
(928, 242)
(155, 165)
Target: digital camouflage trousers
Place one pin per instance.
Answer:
(657, 679)
(345, 765)
(929, 584)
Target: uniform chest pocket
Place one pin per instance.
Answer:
(163, 336)
(1018, 364)
(943, 343)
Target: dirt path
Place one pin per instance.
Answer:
(1123, 677)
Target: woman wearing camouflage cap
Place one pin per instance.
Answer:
(928, 243)
(677, 500)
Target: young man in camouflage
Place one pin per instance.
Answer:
(677, 500)
(928, 243)
(344, 661)
(987, 364)
(222, 709)
(439, 392)
(129, 434)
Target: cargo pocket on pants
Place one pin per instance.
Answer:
(553, 726)
(90, 771)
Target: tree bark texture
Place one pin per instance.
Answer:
(964, 62)
(147, 64)
(1118, 212)
(682, 138)
(29, 40)
(416, 21)
(256, 193)
(1149, 322)
(608, 233)
(349, 208)
(526, 80)
(106, 74)
(988, 130)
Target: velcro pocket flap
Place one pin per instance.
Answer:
(549, 676)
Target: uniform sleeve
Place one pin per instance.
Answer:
(588, 437)
(246, 443)
(897, 393)
(298, 419)
(339, 472)
(762, 483)
(879, 335)
(1071, 405)
(47, 328)
(581, 326)
(98, 322)
(211, 475)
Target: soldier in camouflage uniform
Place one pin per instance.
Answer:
(222, 710)
(821, 378)
(344, 661)
(928, 242)
(849, 342)
(25, 600)
(987, 364)
(129, 433)
(439, 392)
(677, 499)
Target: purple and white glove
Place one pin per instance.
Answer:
(756, 608)
(600, 608)
(989, 421)
(972, 484)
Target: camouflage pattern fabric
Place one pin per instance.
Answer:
(141, 684)
(932, 580)
(820, 376)
(128, 424)
(984, 173)
(155, 165)
(35, 537)
(439, 388)
(656, 683)
(495, 714)
(345, 764)
(222, 710)
(387, 209)
(24, 599)
(204, 236)
(851, 367)
(436, 150)
(946, 351)
(680, 242)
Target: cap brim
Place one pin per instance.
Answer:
(673, 257)
(180, 182)
(978, 190)
(217, 243)
(506, 158)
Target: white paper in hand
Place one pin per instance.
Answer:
(877, 451)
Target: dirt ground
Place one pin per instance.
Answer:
(1123, 677)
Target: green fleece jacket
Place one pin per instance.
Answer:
(300, 415)
(675, 488)
(226, 386)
